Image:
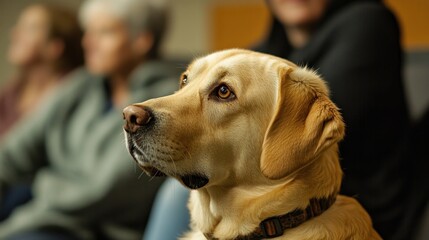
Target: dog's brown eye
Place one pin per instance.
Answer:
(224, 92)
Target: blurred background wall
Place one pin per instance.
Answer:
(201, 26)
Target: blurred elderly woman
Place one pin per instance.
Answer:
(85, 185)
(44, 48)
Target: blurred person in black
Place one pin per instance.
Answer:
(355, 46)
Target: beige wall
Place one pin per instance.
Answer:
(199, 26)
(188, 33)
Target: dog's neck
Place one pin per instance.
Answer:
(219, 209)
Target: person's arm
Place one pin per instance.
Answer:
(22, 149)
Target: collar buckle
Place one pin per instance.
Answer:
(272, 227)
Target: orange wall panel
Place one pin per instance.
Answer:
(413, 16)
(238, 25)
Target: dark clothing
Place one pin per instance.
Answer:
(42, 235)
(14, 197)
(418, 154)
(356, 49)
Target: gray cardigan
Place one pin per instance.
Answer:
(83, 179)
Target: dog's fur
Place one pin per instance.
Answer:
(265, 151)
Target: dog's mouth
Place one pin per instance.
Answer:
(194, 181)
(142, 162)
(151, 171)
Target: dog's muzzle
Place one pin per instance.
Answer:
(138, 121)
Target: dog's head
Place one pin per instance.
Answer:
(239, 116)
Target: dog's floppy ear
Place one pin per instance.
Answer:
(304, 124)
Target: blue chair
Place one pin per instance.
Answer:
(169, 218)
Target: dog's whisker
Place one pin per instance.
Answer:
(141, 174)
(144, 155)
(174, 164)
(141, 150)
(153, 177)
(189, 154)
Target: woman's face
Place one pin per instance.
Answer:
(29, 37)
(298, 13)
(107, 44)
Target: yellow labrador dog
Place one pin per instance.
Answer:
(256, 137)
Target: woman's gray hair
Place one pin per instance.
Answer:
(139, 16)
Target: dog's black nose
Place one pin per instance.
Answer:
(135, 117)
